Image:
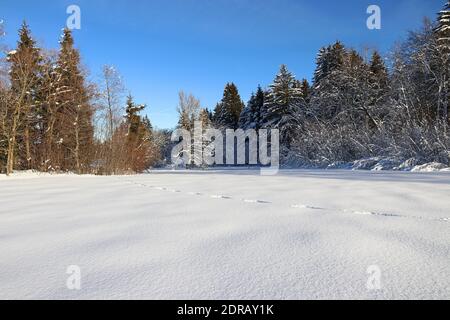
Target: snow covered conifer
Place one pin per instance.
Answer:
(306, 89)
(76, 113)
(24, 76)
(140, 147)
(329, 59)
(228, 111)
(379, 70)
(251, 115)
(283, 106)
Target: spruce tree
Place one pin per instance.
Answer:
(48, 114)
(251, 115)
(140, 146)
(76, 127)
(133, 118)
(379, 70)
(283, 106)
(228, 111)
(216, 114)
(24, 76)
(246, 117)
(305, 89)
(321, 65)
(328, 60)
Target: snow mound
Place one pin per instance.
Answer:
(430, 167)
(407, 165)
(340, 165)
(386, 164)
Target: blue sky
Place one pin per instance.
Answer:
(163, 46)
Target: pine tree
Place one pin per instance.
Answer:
(321, 65)
(140, 147)
(75, 113)
(283, 106)
(251, 115)
(328, 60)
(133, 119)
(24, 74)
(48, 108)
(305, 89)
(246, 118)
(228, 111)
(217, 113)
(379, 70)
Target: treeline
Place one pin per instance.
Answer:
(357, 107)
(52, 119)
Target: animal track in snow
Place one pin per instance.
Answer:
(256, 201)
(304, 206)
(195, 193)
(220, 197)
(296, 206)
(370, 213)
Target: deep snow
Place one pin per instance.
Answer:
(226, 235)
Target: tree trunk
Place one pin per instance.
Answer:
(27, 147)
(12, 144)
(77, 147)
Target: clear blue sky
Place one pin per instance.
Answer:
(163, 46)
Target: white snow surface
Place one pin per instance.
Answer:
(226, 235)
(430, 167)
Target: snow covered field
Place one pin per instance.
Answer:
(226, 235)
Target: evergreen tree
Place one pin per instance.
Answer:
(228, 111)
(140, 146)
(305, 89)
(283, 106)
(246, 118)
(75, 118)
(133, 118)
(328, 60)
(218, 111)
(379, 70)
(251, 115)
(24, 75)
(321, 65)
